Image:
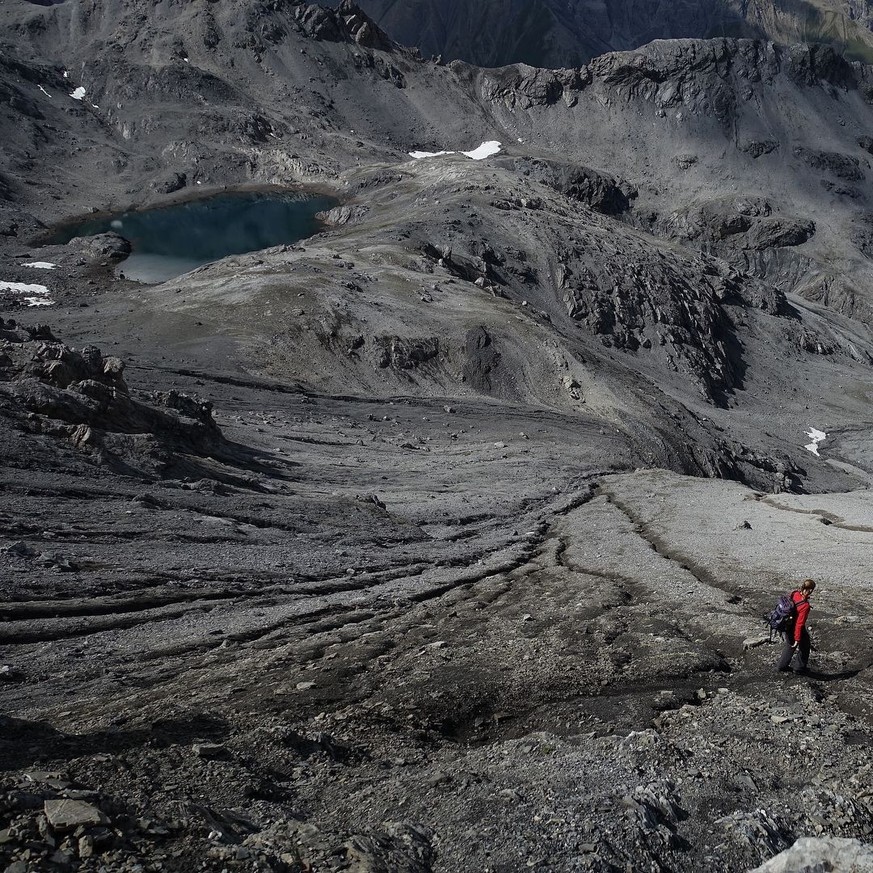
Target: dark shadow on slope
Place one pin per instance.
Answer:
(735, 353)
(819, 676)
(24, 742)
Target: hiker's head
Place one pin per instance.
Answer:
(807, 587)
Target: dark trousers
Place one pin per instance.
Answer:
(802, 652)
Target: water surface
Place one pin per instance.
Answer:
(172, 240)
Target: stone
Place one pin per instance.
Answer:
(8, 673)
(20, 550)
(813, 854)
(86, 847)
(67, 815)
(754, 642)
(209, 751)
(62, 858)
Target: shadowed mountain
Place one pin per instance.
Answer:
(550, 33)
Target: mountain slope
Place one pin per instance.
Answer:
(377, 558)
(551, 33)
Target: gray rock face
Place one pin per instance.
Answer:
(745, 223)
(842, 166)
(751, 109)
(461, 582)
(599, 191)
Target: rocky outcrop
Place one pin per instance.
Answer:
(521, 87)
(81, 397)
(406, 353)
(644, 307)
(601, 192)
(842, 166)
(348, 22)
(738, 223)
(702, 76)
(342, 215)
(482, 360)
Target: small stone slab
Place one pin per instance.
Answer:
(754, 642)
(67, 815)
(209, 751)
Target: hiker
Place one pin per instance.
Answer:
(797, 639)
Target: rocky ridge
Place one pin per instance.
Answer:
(80, 398)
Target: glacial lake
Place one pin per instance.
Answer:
(171, 240)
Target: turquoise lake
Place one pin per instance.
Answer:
(171, 240)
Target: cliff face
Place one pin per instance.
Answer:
(552, 33)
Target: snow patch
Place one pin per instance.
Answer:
(817, 436)
(419, 155)
(78, 94)
(40, 265)
(66, 74)
(492, 147)
(44, 91)
(33, 295)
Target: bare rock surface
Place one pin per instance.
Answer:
(504, 657)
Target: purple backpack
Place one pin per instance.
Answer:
(781, 617)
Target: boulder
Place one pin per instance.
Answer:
(779, 232)
(821, 854)
(67, 815)
(103, 245)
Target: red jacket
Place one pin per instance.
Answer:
(803, 608)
